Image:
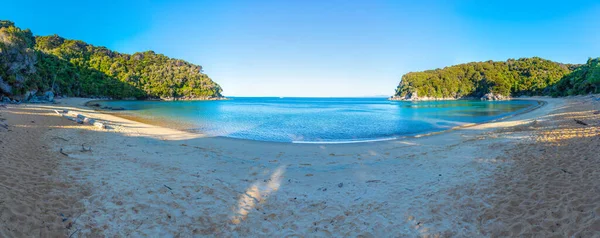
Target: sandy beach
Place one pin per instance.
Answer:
(535, 174)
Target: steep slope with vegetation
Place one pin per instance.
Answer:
(30, 65)
(17, 58)
(526, 76)
(584, 79)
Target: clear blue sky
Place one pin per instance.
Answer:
(322, 47)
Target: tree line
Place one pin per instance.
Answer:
(525, 76)
(75, 68)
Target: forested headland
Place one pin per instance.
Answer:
(501, 79)
(33, 65)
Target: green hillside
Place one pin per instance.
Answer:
(66, 67)
(526, 76)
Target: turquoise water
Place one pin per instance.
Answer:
(308, 120)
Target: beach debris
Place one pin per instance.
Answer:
(72, 234)
(373, 181)
(83, 149)
(564, 170)
(580, 122)
(167, 187)
(60, 138)
(61, 151)
(597, 112)
(5, 126)
(63, 217)
(100, 125)
(81, 119)
(32, 121)
(340, 185)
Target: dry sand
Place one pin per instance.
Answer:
(497, 179)
(31, 195)
(552, 188)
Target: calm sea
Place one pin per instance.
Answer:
(333, 120)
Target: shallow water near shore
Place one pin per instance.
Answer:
(315, 120)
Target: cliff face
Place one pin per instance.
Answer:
(32, 66)
(17, 58)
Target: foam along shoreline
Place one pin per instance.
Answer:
(345, 141)
(192, 185)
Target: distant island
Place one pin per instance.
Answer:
(36, 68)
(498, 80)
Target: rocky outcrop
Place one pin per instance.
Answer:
(29, 95)
(49, 95)
(17, 58)
(33, 97)
(415, 97)
(494, 97)
(412, 96)
(4, 86)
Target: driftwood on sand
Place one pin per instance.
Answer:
(81, 119)
(580, 122)
(61, 151)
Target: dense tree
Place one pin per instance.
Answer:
(584, 79)
(526, 76)
(75, 68)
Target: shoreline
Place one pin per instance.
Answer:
(92, 100)
(195, 186)
(539, 99)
